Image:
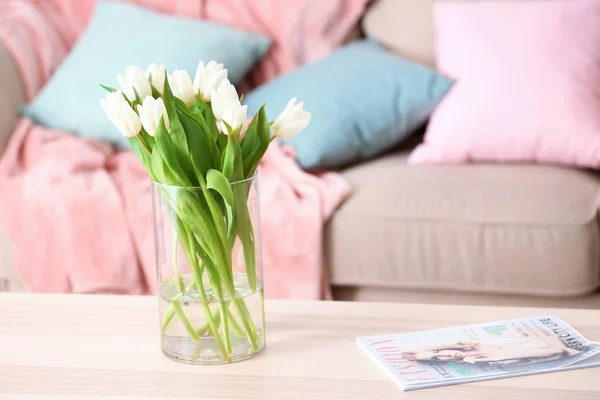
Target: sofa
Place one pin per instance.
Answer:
(475, 234)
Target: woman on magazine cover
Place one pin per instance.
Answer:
(497, 351)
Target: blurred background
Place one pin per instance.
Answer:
(451, 157)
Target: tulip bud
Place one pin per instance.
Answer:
(151, 111)
(208, 77)
(225, 96)
(134, 79)
(234, 115)
(157, 73)
(181, 86)
(291, 121)
(121, 114)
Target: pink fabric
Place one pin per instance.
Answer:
(528, 83)
(79, 214)
(40, 32)
(80, 217)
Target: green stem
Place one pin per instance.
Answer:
(249, 258)
(176, 272)
(242, 310)
(245, 233)
(237, 330)
(170, 313)
(214, 280)
(234, 325)
(216, 316)
(239, 304)
(197, 273)
(186, 322)
(219, 223)
(214, 329)
(218, 264)
(212, 247)
(225, 325)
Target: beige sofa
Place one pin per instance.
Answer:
(506, 234)
(479, 234)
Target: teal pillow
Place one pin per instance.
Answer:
(122, 34)
(363, 101)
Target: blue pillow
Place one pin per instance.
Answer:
(363, 101)
(122, 34)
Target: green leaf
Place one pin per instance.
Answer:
(263, 127)
(159, 169)
(178, 131)
(138, 99)
(201, 148)
(243, 223)
(222, 142)
(169, 101)
(177, 141)
(141, 154)
(179, 135)
(127, 100)
(155, 92)
(208, 117)
(257, 144)
(217, 181)
(250, 144)
(108, 88)
(228, 159)
(148, 140)
(170, 154)
(228, 130)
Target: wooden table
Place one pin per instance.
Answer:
(64, 347)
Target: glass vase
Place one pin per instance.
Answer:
(210, 286)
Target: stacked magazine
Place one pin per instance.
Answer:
(479, 352)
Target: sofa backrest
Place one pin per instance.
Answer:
(404, 26)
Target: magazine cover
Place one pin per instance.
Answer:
(480, 352)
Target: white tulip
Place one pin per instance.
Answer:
(151, 111)
(121, 114)
(291, 121)
(208, 77)
(234, 116)
(134, 78)
(157, 72)
(181, 85)
(224, 97)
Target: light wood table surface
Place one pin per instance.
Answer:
(64, 347)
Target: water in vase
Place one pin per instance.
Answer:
(212, 328)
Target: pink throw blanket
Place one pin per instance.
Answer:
(79, 214)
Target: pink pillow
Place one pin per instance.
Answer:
(528, 84)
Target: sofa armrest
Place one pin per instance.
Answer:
(12, 95)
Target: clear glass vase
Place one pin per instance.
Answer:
(208, 257)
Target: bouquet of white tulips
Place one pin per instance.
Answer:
(189, 135)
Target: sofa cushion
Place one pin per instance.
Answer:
(359, 109)
(529, 93)
(520, 229)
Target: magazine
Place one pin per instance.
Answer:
(479, 352)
